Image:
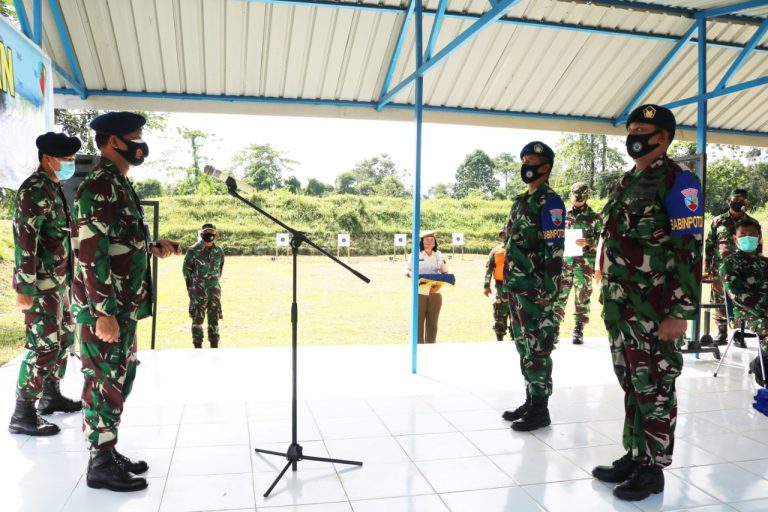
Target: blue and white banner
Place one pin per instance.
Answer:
(26, 104)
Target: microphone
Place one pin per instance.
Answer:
(232, 184)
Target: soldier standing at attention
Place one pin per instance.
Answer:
(651, 287)
(745, 276)
(494, 268)
(112, 291)
(718, 245)
(42, 277)
(534, 261)
(578, 271)
(203, 265)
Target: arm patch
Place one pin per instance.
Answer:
(684, 205)
(553, 220)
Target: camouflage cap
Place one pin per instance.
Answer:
(208, 226)
(580, 188)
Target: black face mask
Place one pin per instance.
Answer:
(528, 172)
(131, 153)
(736, 206)
(209, 237)
(638, 146)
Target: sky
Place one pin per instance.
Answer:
(324, 148)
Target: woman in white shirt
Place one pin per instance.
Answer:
(431, 261)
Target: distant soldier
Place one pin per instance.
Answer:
(203, 265)
(745, 275)
(651, 288)
(112, 292)
(578, 271)
(42, 276)
(494, 269)
(718, 245)
(534, 261)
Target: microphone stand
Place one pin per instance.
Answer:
(295, 452)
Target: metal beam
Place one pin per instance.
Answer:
(21, 13)
(758, 82)
(437, 23)
(701, 111)
(403, 106)
(37, 34)
(398, 48)
(657, 73)
(746, 52)
(463, 38)
(416, 217)
(69, 50)
(730, 9)
(516, 21)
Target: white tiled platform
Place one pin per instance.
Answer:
(432, 442)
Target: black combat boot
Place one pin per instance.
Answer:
(197, 344)
(618, 471)
(536, 416)
(643, 482)
(106, 472)
(138, 467)
(518, 413)
(738, 339)
(722, 334)
(499, 336)
(53, 401)
(578, 334)
(26, 420)
(214, 343)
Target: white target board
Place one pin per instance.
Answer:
(343, 240)
(458, 239)
(281, 239)
(401, 239)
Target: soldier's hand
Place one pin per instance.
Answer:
(598, 276)
(672, 329)
(487, 291)
(582, 242)
(107, 329)
(23, 300)
(165, 248)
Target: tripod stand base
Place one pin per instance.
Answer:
(294, 454)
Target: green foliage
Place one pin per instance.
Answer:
(375, 176)
(7, 200)
(317, 188)
(148, 188)
(292, 185)
(507, 167)
(262, 166)
(592, 159)
(75, 123)
(475, 173)
(7, 10)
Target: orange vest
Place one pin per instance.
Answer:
(498, 264)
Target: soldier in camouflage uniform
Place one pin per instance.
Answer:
(203, 265)
(534, 261)
(494, 268)
(745, 275)
(651, 287)
(112, 292)
(718, 245)
(578, 271)
(42, 276)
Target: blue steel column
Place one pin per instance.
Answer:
(701, 132)
(416, 194)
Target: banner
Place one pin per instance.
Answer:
(26, 104)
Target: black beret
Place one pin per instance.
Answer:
(655, 115)
(739, 192)
(117, 123)
(208, 226)
(57, 144)
(538, 148)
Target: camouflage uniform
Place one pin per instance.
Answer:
(113, 279)
(501, 304)
(43, 269)
(745, 276)
(534, 261)
(578, 271)
(202, 269)
(718, 245)
(651, 267)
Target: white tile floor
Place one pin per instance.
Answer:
(432, 442)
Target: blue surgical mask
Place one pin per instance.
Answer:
(67, 170)
(747, 243)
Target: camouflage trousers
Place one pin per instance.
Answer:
(109, 370)
(647, 369)
(577, 274)
(50, 332)
(200, 307)
(501, 313)
(717, 296)
(534, 329)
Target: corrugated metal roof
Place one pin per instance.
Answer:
(530, 69)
